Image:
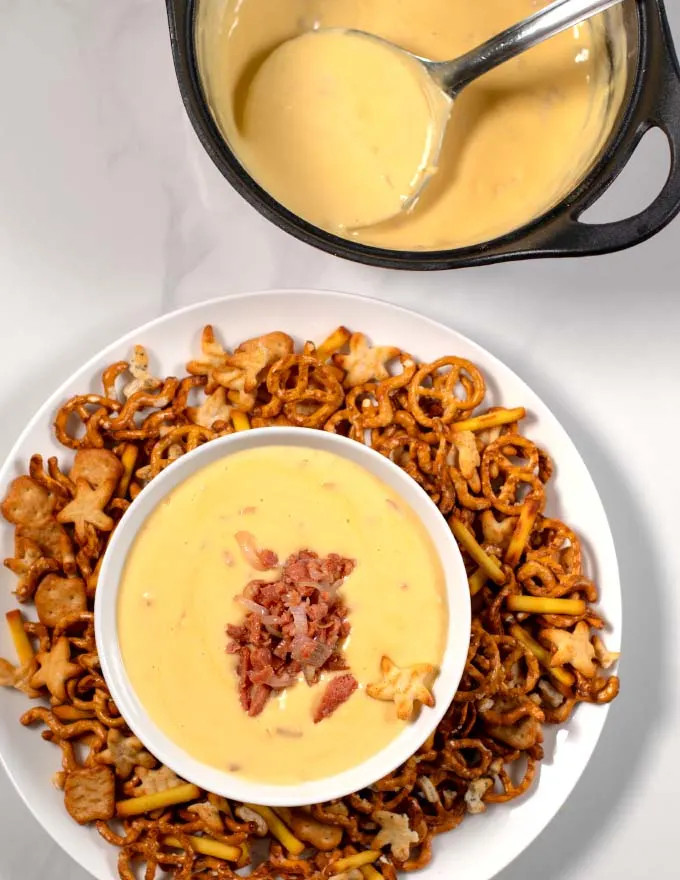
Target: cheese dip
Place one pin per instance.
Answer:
(186, 568)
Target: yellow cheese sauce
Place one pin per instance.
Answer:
(517, 141)
(185, 569)
(343, 86)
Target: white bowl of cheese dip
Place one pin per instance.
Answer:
(174, 577)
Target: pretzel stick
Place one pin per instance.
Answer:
(539, 605)
(367, 857)
(241, 421)
(206, 846)
(22, 644)
(542, 655)
(477, 581)
(279, 829)
(128, 460)
(489, 420)
(465, 537)
(147, 803)
(523, 527)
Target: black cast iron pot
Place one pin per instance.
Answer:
(652, 100)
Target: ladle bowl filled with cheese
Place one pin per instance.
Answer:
(283, 616)
(328, 138)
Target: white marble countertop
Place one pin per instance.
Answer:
(111, 214)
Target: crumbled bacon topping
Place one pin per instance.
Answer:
(338, 691)
(295, 624)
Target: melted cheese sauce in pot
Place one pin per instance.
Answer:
(185, 570)
(337, 88)
(518, 139)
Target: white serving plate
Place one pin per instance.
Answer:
(482, 845)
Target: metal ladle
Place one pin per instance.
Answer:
(453, 76)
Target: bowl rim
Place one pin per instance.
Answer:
(227, 784)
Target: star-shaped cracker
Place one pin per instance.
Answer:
(395, 832)
(404, 687)
(243, 369)
(573, 648)
(125, 753)
(95, 474)
(364, 363)
(142, 380)
(56, 669)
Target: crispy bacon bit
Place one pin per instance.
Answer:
(338, 691)
(293, 626)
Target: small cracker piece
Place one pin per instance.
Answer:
(209, 815)
(155, 781)
(29, 564)
(245, 814)
(213, 409)
(8, 673)
(404, 686)
(474, 796)
(90, 794)
(468, 454)
(522, 735)
(213, 357)
(19, 677)
(30, 507)
(56, 597)
(142, 380)
(27, 503)
(125, 753)
(213, 353)
(365, 363)
(495, 532)
(605, 658)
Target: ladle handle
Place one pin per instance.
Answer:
(452, 76)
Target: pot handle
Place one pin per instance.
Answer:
(658, 107)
